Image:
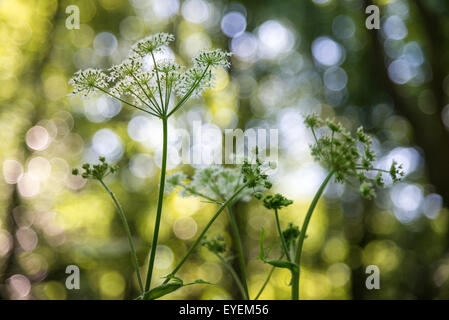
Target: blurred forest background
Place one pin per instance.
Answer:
(290, 57)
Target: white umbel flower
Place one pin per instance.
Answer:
(198, 78)
(151, 91)
(152, 43)
(129, 67)
(213, 183)
(86, 82)
(212, 58)
(173, 181)
(169, 72)
(124, 87)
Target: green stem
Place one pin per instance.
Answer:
(146, 94)
(234, 275)
(144, 102)
(203, 233)
(266, 280)
(159, 206)
(238, 243)
(302, 235)
(372, 169)
(189, 93)
(159, 84)
(153, 99)
(284, 245)
(128, 232)
(126, 102)
(167, 92)
(194, 192)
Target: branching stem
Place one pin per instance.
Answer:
(206, 228)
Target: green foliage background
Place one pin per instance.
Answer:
(50, 219)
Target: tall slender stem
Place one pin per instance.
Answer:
(302, 235)
(234, 275)
(128, 232)
(284, 245)
(206, 228)
(159, 205)
(238, 243)
(267, 280)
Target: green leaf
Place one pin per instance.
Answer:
(198, 281)
(276, 263)
(282, 264)
(167, 288)
(161, 291)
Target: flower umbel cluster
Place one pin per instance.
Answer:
(214, 183)
(218, 184)
(215, 245)
(96, 171)
(152, 44)
(277, 201)
(254, 175)
(151, 90)
(216, 58)
(339, 151)
(290, 234)
(88, 81)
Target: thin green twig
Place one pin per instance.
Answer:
(267, 280)
(203, 233)
(284, 245)
(128, 232)
(234, 275)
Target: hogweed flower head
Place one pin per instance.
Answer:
(170, 75)
(125, 87)
(212, 58)
(128, 68)
(199, 78)
(213, 183)
(86, 82)
(396, 171)
(152, 44)
(276, 202)
(255, 176)
(168, 66)
(217, 184)
(174, 181)
(96, 171)
(151, 90)
(291, 233)
(348, 156)
(216, 245)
